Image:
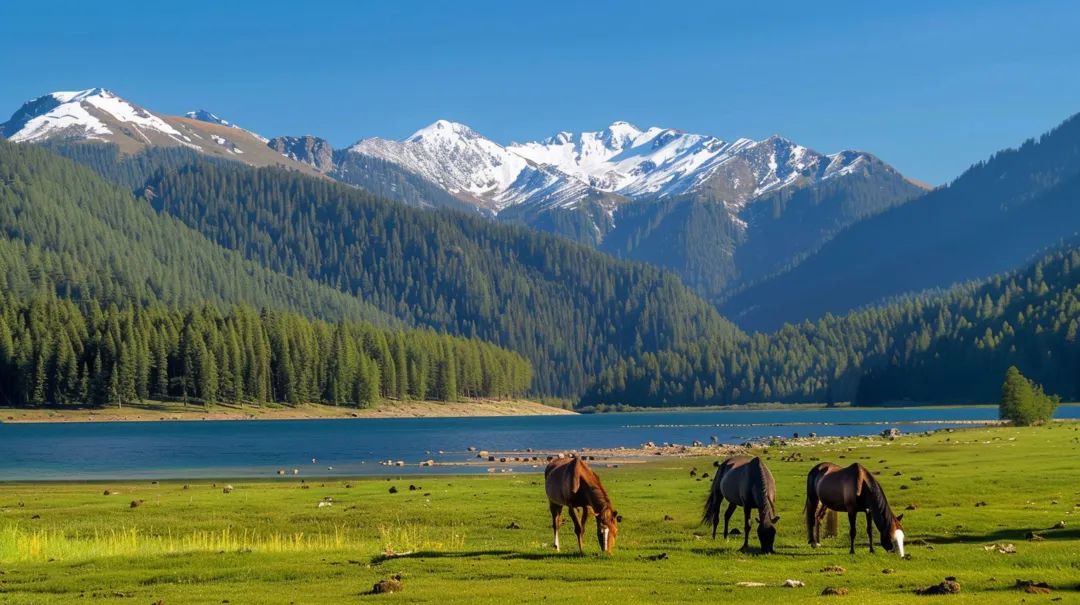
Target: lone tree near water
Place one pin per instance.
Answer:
(1023, 402)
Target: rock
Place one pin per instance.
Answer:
(1005, 549)
(1032, 587)
(735, 532)
(910, 507)
(793, 583)
(307, 149)
(750, 584)
(324, 504)
(949, 586)
(413, 488)
(393, 489)
(833, 569)
(888, 571)
(471, 448)
(1059, 525)
(392, 584)
(491, 458)
(1034, 537)
(513, 525)
(136, 503)
(227, 489)
(892, 433)
(108, 492)
(834, 591)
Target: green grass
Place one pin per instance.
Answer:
(269, 542)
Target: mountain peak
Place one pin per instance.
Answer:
(205, 116)
(443, 129)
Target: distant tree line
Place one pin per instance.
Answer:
(54, 351)
(952, 347)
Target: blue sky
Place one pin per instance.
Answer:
(929, 86)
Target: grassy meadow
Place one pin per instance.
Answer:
(486, 539)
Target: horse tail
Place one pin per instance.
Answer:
(811, 506)
(715, 499)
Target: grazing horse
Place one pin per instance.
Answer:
(744, 482)
(830, 488)
(571, 483)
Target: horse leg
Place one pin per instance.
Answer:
(746, 529)
(852, 516)
(870, 531)
(727, 518)
(579, 528)
(556, 520)
(818, 518)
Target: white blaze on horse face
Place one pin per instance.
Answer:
(898, 539)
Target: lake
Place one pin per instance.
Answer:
(235, 449)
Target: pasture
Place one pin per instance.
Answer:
(487, 539)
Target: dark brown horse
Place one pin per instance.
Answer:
(854, 490)
(570, 482)
(745, 482)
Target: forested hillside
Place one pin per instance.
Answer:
(951, 348)
(55, 351)
(997, 216)
(570, 310)
(64, 229)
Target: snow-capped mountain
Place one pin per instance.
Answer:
(205, 116)
(621, 159)
(473, 168)
(99, 115)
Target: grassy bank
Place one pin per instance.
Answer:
(157, 411)
(486, 538)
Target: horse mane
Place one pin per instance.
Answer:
(597, 495)
(767, 508)
(879, 504)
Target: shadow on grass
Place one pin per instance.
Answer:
(507, 555)
(1005, 535)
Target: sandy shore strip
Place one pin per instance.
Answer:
(158, 411)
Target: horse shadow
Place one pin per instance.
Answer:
(1003, 535)
(506, 555)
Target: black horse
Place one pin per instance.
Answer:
(746, 482)
(854, 490)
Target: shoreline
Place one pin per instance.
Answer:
(177, 412)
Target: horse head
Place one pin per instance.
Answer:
(892, 535)
(766, 532)
(607, 528)
(893, 538)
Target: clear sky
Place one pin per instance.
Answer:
(928, 86)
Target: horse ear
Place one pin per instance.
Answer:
(900, 517)
(618, 518)
(775, 520)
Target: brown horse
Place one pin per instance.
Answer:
(830, 488)
(745, 482)
(570, 482)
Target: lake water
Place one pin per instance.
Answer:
(234, 449)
